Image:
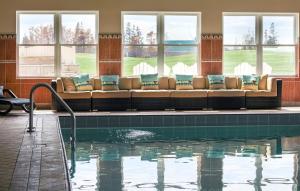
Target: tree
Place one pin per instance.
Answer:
(249, 39)
(270, 35)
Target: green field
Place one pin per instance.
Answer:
(282, 63)
(86, 63)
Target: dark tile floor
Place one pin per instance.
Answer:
(31, 161)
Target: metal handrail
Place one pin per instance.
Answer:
(62, 102)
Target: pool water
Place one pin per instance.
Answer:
(159, 159)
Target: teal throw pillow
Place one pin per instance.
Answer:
(149, 81)
(82, 82)
(250, 82)
(184, 82)
(110, 82)
(216, 82)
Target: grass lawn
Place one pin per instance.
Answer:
(87, 63)
(282, 63)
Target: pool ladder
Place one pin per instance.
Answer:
(65, 105)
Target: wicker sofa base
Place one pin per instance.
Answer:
(76, 105)
(262, 102)
(188, 103)
(150, 103)
(226, 102)
(111, 104)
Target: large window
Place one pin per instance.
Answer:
(260, 44)
(54, 44)
(164, 43)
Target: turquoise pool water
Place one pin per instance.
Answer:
(163, 159)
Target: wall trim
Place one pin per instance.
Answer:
(205, 36)
(4, 36)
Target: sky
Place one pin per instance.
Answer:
(236, 27)
(175, 27)
(68, 20)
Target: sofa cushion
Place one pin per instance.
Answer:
(97, 84)
(110, 82)
(261, 93)
(216, 82)
(163, 83)
(125, 83)
(150, 93)
(136, 83)
(76, 95)
(184, 82)
(188, 93)
(231, 82)
(199, 82)
(59, 85)
(172, 83)
(262, 84)
(225, 93)
(68, 84)
(149, 81)
(250, 82)
(111, 94)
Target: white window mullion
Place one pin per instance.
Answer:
(160, 53)
(57, 24)
(259, 49)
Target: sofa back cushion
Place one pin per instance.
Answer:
(136, 83)
(216, 82)
(199, 82)
(97, 84)
(110, 82)
(262, 85)
(172, 83)
(68, 84)
(231, 82)
(125, 83)
(163, 83)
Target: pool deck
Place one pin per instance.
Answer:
(36, 161)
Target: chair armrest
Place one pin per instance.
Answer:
(10, 92)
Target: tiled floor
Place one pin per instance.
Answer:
(36, 161)
(31, 161)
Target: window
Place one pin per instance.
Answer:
(164, 43)
(260, 44)
(54, 44)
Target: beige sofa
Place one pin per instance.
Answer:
(131, 96)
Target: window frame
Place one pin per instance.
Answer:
(160, 37)
(57, 39)
(259, 38)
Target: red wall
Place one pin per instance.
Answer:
(110, 63)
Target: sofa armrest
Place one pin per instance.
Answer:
(57, 85)
(275, 85)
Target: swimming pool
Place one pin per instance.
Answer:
(186, 158)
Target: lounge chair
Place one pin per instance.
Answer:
(13, 100)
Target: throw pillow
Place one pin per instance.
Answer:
(82, 83)
(184, 82)
(1, 91)
(216, 82)
(250, 82)
(149, 81)
(110, 82)
(68, 84)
